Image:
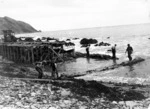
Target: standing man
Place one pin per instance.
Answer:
(113, 49)
(129, 50)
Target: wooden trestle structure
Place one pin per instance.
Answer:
(30, 52)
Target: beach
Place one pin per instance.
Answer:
(138, 38)
(84, 83)
(20, 89)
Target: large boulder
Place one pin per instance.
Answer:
(103, 44)
(86, 41)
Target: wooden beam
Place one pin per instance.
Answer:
(56, 54)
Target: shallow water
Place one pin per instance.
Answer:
(137, 35)
(80, 65)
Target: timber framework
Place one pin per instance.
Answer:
(30, 52)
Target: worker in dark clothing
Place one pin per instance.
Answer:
(87, 51)
(129, 50)
(39, 70)
(113, 49)
(54, 69)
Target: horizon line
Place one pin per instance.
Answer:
(95, 27)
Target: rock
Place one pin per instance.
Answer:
(65, 93)
(103, 44)
(52, 108)
(19, 104)
(20, 95)
(33, 107)
(114, 102)
(33, 94)
(86, 41)
(44, 101)
(67, 39)
(27, 107)
(62, 105)
(1, 106)
(67, 102)
(83, 107)
(7, 108)
(75, 38)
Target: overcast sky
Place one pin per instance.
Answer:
(48, 15)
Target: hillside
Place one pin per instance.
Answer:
(17, 26)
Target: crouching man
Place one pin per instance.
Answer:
(38, 68)
(54, 69)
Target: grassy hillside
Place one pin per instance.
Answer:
(17, 26)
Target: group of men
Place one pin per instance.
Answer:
(39, 66)
(52, 64)
(129, 51)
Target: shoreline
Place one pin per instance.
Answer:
(108, 94)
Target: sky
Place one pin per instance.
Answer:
(50, 15)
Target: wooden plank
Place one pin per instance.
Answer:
(45, 80)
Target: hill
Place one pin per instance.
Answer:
(7, 23)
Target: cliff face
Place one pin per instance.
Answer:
(7, 23)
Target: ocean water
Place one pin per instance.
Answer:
(135, 35)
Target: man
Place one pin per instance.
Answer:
(113, 49)
(129, 50)
(38, 68)
(54, 69)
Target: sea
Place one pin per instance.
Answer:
(137, 35)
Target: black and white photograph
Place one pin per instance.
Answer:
(74, 54)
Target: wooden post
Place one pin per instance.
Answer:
(21, 57)
(28, 55)
(12, 53)
(32, 55)
(7, 52)
(17, 53)
(19, 50)
(4, 51)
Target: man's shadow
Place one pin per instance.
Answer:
(114, 62)
(132, 73)
(88, 59)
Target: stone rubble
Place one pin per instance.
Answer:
(17, 94)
